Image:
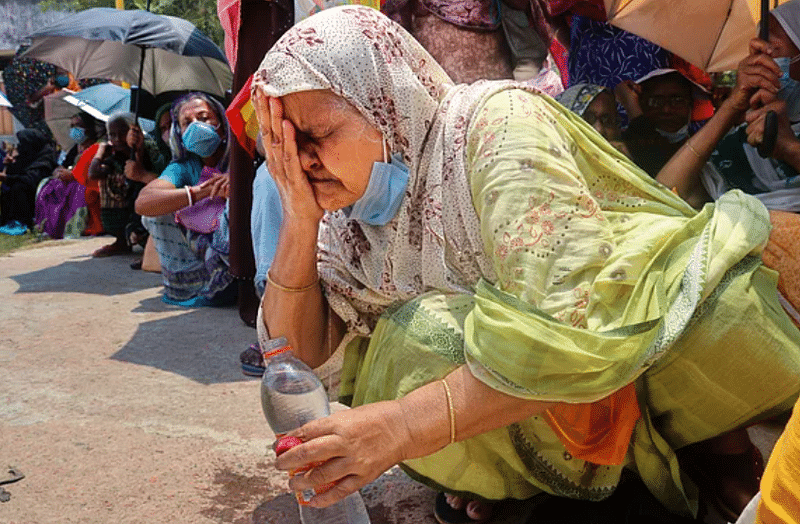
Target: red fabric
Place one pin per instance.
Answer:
(229, 13)
(594, 9)
(94, 223)
(703, 109)
(598, 432)
(561, 57)
(242, 126)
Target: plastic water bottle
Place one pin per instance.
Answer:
(291, 395)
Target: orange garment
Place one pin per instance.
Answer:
(94, 223)
(598, 432)
(780, 485)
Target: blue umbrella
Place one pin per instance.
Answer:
(100, 101)
(167, 53)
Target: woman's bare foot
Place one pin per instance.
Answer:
(457, 508)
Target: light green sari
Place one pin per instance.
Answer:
(679, 304)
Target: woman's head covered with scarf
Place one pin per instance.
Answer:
(362, 56)
(595, 104)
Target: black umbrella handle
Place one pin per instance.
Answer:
(770, 138)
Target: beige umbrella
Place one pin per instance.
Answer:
(711, 34)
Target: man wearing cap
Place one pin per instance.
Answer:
(660, 107)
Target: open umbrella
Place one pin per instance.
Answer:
(712, 34)
(107, 43)
(100, 101)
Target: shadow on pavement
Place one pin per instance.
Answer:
(100, 276)
(201, 344)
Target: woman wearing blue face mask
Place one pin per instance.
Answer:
(185, 208)
(61, 210)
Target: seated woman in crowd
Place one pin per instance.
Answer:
(117, 192)
(596, 105)
(519, 307)
(185, 208)
(722, 155)
(34, 161)
(61, 209)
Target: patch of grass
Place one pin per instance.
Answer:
(9, 243)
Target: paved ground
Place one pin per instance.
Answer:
(121, 409)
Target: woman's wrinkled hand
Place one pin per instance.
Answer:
(134, 138)
(785, 140)
(628, 94)
(283, 162)
(757, 79)
(63, 174)
(216, 186)
(352, 447)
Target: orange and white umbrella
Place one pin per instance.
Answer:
(714, 35)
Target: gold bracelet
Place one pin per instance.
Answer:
(693, 150)
(451, 410)
(291, 289)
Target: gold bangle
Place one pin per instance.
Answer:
(693, 150)
(451, 410)
(291, 289)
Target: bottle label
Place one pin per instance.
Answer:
(304, 496)
(282, 349)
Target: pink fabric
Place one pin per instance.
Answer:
(203, 216)
(229, 13)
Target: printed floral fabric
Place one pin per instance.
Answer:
(466, 55)
(578, 97)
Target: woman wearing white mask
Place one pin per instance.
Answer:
(723, 155)
(185, 209)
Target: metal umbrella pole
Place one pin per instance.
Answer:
(139, 88)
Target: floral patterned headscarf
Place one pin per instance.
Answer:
(433, 242)
(578, 97)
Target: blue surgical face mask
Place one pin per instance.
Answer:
(201, 139)
(62, 80)
(384, 193)
(789, 91)
(78, 134)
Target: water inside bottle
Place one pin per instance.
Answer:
(287, 410)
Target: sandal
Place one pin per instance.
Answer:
(447, 514)
(252, 361)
